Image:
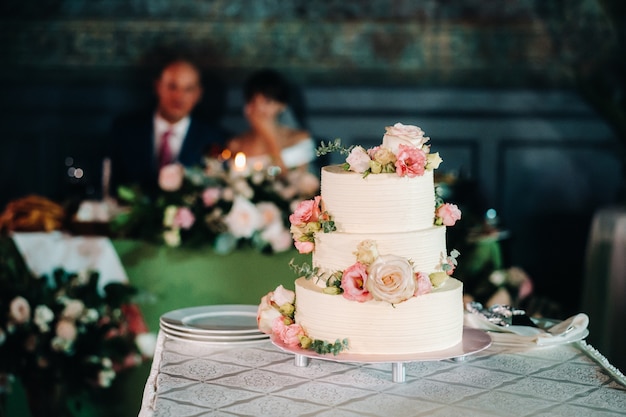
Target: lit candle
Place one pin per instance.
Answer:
(240, 162)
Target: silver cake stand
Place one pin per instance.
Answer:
(473, 341)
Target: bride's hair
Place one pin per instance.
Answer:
(269, 83)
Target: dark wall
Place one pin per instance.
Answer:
(494, 84)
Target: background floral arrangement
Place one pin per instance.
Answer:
(60, 331)
(216, 205)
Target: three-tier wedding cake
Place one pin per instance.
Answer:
(380, 279)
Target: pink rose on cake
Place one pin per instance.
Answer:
(422, 284)
(287, 331)
(307, 211)
(353, 283)
(447, 214)
(358, 160)
(411, 161)
(408, 135)
(308, 219)
(391, 279)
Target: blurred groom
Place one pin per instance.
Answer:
(141, 144)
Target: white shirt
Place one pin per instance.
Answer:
(179, 131)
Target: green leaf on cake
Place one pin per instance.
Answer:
(334, 146)
(328, 226)
(304, 270)
(324, 348)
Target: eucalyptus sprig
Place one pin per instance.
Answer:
(328, 225)
(334, 146)
(323, 348)
(304, 270)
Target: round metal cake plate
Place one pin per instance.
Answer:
(473, 341)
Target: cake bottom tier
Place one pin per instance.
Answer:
(426, 323)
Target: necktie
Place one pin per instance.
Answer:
(165, 150)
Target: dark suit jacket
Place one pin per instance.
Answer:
(132, 149)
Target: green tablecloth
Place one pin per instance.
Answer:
(174, 278)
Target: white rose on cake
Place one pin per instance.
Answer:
(400, 134)
(391, 279)
(273, 305)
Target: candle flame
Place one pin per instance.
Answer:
(240, 161)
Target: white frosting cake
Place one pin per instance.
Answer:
(397, 212)
(426, 323)
(380, 280)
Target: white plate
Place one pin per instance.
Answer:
(185, 331)
(473, 342)
(213, 338)
(220, 343)
(228, 319)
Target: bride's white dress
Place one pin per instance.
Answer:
(293, 156)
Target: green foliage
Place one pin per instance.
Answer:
(324, 348)
(334, 146)
(328, 226)
(303, 270)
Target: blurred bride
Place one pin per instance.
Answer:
(274, 140)
(273, 137)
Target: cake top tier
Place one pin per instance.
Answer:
(384, 203)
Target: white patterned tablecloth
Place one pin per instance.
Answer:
(196, 379)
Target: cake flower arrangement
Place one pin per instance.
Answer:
(388, 278)
(373, 276)
(408, 155)
(218, 205)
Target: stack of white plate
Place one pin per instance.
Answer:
(232, 323)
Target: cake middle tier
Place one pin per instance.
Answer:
(425, 249)
(378, 203)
